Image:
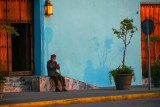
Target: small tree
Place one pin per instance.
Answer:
(126, 28)
(154, 41)
(8, 29)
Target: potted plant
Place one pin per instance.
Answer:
(155, 74)
(123, 74)
(2, 82)
(122, 77)
(13, 31)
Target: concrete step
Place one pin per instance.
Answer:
(18, 83)
(7, 84)
(25, 88)
(11, 89)
(13, 83)
(14, 79)
(21, 88)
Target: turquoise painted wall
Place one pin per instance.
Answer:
(80, 33)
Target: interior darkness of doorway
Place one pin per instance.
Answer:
(21, 48)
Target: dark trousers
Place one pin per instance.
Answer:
(58, 77)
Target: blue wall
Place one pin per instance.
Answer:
(39, 37)
(80, 33)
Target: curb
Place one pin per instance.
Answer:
(84, 100)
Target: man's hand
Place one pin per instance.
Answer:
(58, 66)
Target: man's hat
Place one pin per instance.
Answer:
(53, 55)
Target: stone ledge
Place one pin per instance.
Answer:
(41, 84)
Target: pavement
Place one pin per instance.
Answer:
(34, 99)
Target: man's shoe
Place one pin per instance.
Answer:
(64, 89)
(57, 90)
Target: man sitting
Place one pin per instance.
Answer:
(52, 67)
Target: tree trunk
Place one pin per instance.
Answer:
(155, 52)
(124, 55)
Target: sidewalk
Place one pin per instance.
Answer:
(77, 96)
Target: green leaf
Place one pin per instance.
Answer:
(8, 28)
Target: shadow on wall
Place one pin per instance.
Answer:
(98, 76)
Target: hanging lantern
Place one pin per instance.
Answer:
(48, 8)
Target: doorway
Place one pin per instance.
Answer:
(21, 48)
(150, 11)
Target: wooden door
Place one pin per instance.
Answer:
(14, 12)
(3, 52)
(2, 11)
(26, 10)
(150, 11)
(3, 39)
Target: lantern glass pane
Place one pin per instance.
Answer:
(50, 9)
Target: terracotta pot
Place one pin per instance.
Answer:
(123, 81)
(1, 88)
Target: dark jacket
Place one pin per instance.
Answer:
(52, 68)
